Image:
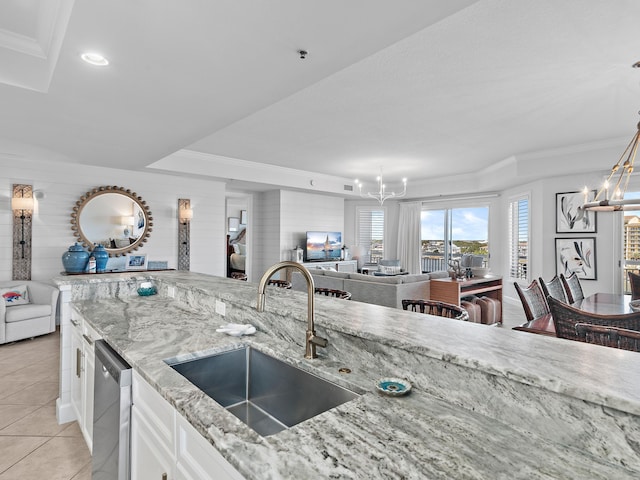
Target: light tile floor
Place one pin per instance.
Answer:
(32, 444)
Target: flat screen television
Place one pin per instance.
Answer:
(323, 246)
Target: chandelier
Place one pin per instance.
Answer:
(610, 197)
(382, 194)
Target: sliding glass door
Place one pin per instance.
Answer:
(449, 233)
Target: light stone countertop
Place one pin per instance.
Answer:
(487, 402)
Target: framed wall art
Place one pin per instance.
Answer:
(136, 261)
(569, 217)
(576, 255)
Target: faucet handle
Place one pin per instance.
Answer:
(319, 341)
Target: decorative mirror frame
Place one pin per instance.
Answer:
(96, 192)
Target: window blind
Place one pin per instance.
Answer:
(371, 232)
(519, 241)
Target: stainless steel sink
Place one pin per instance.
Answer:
(267, 394)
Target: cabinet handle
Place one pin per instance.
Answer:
(73, 322)
(88, 339)
(78, 362)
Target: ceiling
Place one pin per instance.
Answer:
(420, 88)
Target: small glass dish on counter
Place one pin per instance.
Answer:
(147, 288)
(393, 387)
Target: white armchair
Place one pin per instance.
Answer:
(38, 317)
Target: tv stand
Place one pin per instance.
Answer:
(350, 266)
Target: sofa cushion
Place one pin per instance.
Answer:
(439, 274)
(416, 278)
(396, 280)
(333, 273)
(16, 295)
(316, 270)
(26, 312)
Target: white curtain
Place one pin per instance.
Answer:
(409, 236)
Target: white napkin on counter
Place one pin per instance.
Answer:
(237, 329)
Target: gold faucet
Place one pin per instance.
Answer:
(312, 339)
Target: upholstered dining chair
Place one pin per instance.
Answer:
(533, 300)
(432, 307)
(565, 318)
(572, 287)
(634, 281)
(331, 292)
(280, 284)
(615, 337)
(553, 288)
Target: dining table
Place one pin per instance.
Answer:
(600, 303)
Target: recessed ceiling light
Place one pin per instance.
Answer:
(95, 59)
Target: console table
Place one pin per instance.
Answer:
(451, 291)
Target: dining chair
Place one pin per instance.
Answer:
(634, 281)
(572, 287)
(615, 337)
(565, 318)
(553, 288)
(533, 300)
(433, 307)
(332, 292)
(280, 284)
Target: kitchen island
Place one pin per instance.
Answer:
(486, 403)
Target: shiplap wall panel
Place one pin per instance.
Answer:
(267, 238)
(302, 212)
(63, 184)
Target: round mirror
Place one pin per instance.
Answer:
(113, 217)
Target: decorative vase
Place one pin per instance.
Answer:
(102, 256)
(75, 259)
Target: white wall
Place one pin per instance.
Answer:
(282, 219)
(62, 186)
(543, 235)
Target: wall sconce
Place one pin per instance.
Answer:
(185, 214)
(22, 207)
(126, 222)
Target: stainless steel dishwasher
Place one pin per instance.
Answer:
(111, 415)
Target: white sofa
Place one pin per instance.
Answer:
(388, 291)
(38, 317)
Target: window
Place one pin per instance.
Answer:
(519, 238)
(449, 233)
(371, 232)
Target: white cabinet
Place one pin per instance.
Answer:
(164, 446)
(152, 437)
(349, 266)
(82, 348)
(197, 459)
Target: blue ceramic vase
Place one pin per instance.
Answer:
(102, 256)
(75, 259)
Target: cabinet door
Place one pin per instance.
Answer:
(89, 374)
(197, 459)
(150, 458)
(77, 365)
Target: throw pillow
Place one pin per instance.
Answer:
(243, 248)
(16, 295)
(236, 249)
(389, 270)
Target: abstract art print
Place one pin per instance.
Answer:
(576, 255)
(569, 217)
